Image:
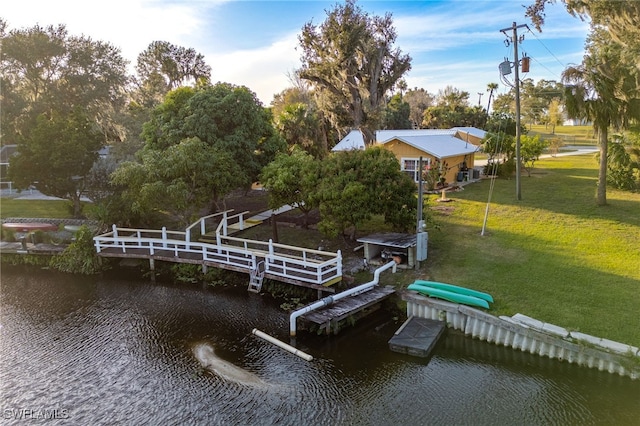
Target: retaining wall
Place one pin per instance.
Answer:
(76, 222)
(530, 335)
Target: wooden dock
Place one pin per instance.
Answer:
(330, 318)
(417, 336)
(300, 266)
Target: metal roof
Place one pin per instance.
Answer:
(440, 146)
(354, 140)
(473, 131)
(384, 135)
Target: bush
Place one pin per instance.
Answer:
(80, 256)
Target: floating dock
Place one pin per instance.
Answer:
(417, 336)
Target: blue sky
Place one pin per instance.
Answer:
(253, 43)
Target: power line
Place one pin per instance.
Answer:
(547, 49)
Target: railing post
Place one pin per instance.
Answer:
(164, 237)
(339, 263)
(241, 224)
(203, 228)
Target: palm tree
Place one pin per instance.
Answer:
(603, 91)
(491, 87)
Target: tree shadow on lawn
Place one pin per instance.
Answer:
(570, 195)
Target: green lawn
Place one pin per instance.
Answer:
(56, 209)
(569, 135)
(554, 255)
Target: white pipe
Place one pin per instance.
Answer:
(330, 299)
(282, 345)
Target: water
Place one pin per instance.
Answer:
(119, 351)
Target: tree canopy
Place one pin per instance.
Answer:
(361, 183)
(57, 154)
(292, 179)
(45, 69)
(181, 180)
(351, 62)
(224, 116)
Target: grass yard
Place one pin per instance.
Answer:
(554, 255)
(569, 135)
(55, 209)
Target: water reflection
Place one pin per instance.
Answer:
(115, 350)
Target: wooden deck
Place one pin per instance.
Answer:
(328, 319)
(300, 266)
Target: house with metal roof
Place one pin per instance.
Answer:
(452, 151)
(453, 157)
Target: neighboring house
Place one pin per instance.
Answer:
(451, 150)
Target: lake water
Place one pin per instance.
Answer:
(114, 350)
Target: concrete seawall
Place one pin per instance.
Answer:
(530, 335)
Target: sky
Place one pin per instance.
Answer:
(255, 43)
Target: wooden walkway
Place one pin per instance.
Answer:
(294, 265)
(328, 318)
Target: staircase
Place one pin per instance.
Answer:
(256, 278)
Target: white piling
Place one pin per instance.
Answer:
(282, 345)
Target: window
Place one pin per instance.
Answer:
(411, 165)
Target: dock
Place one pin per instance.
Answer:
(417, 336)
(330, 318)
(315, 269)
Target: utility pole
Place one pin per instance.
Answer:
(480, 97)
(514, 39)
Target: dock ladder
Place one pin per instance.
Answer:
(256, 278)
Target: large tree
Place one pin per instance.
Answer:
(162, 67)
(603, 91)
(44, 69)
(396, 114)
(292, 178)
(351, 61)
(181, 180)
(57, 154)
(361, 183)
(225, 116)
(302, 126)
(418, 100)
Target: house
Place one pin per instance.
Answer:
(451, 150)
(452, 156)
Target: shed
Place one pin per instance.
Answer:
(381, 248)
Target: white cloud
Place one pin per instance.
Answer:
(262, 70)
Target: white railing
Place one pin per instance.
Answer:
(301, 264)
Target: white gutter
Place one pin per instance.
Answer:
(330, 299)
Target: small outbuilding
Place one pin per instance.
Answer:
(382, 248)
